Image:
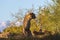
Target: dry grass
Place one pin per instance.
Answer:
(37, 37)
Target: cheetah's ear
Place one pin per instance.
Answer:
(31, 13)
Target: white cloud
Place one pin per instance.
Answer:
(17, 23)
(3, 24)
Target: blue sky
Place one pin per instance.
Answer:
(12, 6)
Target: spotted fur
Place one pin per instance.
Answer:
(26, 23)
